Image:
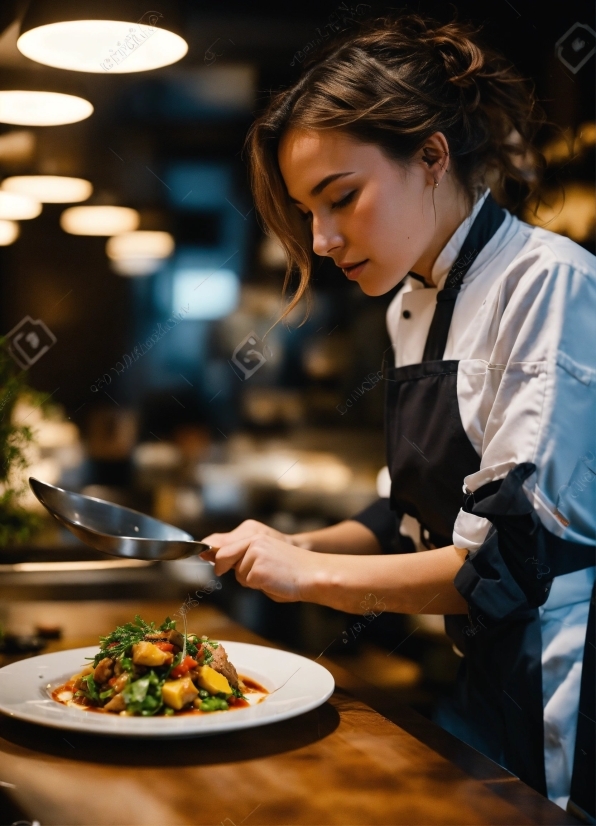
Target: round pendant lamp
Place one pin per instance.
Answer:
(15, 207)
(99, 220)
(101, 36)
(140, 244)
(31, 108)
(139, 253)
(49, 189)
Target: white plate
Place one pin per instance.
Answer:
(296, 685)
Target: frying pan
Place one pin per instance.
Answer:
(114, 529)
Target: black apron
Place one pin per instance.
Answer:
(497, 704)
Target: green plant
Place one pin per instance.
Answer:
(16, 523)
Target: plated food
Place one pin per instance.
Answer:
(276, 685)
(142, 670)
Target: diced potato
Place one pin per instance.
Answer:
(145, 653)
(177, 693)
(212, 681)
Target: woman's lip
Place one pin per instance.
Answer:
(354, 272)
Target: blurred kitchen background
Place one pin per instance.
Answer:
(151, 383)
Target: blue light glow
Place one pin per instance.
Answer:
(209, 294)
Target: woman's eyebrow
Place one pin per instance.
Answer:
(316, 190)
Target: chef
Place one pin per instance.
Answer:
(382, 156)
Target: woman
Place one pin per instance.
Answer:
(381, 157)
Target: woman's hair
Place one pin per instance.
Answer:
(393, 84)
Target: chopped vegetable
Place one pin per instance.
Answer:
(146, 653)
(184, 667)
(177, 693)
(212, 680)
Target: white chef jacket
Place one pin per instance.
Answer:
(524, 333)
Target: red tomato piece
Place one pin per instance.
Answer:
(164, 646)
(184, 667)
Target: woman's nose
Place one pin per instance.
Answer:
(325, 239)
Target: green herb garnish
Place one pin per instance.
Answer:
(118, 643)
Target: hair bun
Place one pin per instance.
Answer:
(462, 58)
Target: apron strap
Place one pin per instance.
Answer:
(486, 223)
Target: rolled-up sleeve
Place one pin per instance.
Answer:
(540, 391)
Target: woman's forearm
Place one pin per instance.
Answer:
(418, 583)
(348, 537)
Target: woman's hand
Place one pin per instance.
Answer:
(248, 529)
(264, 561)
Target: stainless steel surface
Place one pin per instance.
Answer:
(114, 529)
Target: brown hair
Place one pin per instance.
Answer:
(393, 84)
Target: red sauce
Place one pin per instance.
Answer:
(251, 687)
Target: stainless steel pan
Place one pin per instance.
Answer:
(113, 529)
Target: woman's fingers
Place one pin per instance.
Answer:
(246, 529)
(217, 539)
(226, 556)
(273, 567)
(208, 556)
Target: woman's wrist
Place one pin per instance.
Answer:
(301, 540)
(347, 537)
(320, 579)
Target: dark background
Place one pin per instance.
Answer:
(97, 315)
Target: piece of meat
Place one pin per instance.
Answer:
(221, 663)
(116, 704)
(103, 670)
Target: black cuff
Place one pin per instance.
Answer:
(383, 522)
(515, 565)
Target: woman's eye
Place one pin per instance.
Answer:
(307, 216)
(344, 201)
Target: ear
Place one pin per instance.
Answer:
(434, 156)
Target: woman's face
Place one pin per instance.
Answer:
(363, 207)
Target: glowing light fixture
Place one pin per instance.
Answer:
(9, 232)
(142, 244)
(27, 108)
(18, 207)
(49, 189)
(135, 266)
(99, 220)
(100, 36)
(139, 253)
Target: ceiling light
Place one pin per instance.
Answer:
(141, 244)
(107, 39)
(49, 189)
(135, 266)
(139, 253)
(9, 232)
(18, 207)
(27, 108)
(99, 220)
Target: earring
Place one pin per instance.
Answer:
(436, 184)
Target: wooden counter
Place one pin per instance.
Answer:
(342, 763)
